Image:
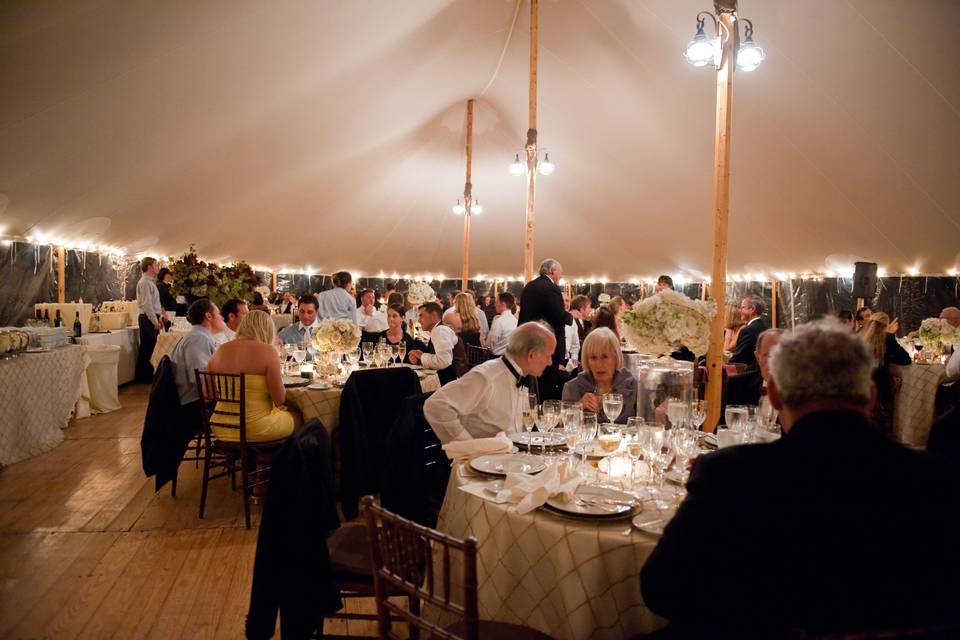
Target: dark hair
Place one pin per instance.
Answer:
(846, 315)
(507, 298)
(862, 309)
(366, 291)
(604, 318)
(432, 307)
(667, 280)
(309, 299)
(395, 298)
(257, 298)
(163, 273)
(342, 279)
(198, 311)
(398, 308)
(232, 306)
(579, 302)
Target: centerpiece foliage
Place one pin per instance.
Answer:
(668, 320)
(195, 278)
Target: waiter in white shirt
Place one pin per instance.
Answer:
(487, 399)
(150, 319)
(504, 324)
(370, 319)
(439, 355)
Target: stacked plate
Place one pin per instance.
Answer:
(595, 503)
(549, 439)
(500, 464)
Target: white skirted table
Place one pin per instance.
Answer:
(568, 578)
(915, 402)
(38, 391)
(128, 340)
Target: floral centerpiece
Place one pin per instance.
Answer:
(195, 278)
(668, 320)
(421, 293)
(336, 336)
(936, 332)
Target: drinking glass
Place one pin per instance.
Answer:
(547, 419)
(612, 405)
(609, 437)
(676, 412)
(589, 423)
(288, 349)
(402, 351)
(685, 445)
(367, 352)
(736, 415)
(652, 437)
(698, 413)
(354, 358)
(528, 412)
(634, 450)
(395, 353)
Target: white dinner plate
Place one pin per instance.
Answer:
(320, 385)
(652, 521)
(550, 438)
(294, 381)
(500, 464)
(596, 502)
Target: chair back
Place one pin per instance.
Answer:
(477, 355)
(406, 559)
(223, 402)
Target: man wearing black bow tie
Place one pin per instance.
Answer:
(487, 400)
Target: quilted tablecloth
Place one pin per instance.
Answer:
(914, 405)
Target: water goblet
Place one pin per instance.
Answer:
(676, 412)
(698, 413)
(402, 351)
(612, 405)
(367, 348)
(395, 353)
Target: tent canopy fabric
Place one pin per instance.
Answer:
(331, 133)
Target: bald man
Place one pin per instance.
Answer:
(951, 315)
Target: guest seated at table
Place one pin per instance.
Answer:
(489, 307)
(193, 352)
(618, 307)
(603, 318)
(253, 353)
(504, 323)
(603, 372)
(302, 331)
(289, 302)
(464, 320)
(453, 312)
(951, 315)
(663, 283)
(732, 324)
(805, 531)
(339, 302)
(257, 304)
(233, 312)
(439, 352)
(369, 318)
(750, 386)
(395, 332)
(487, 399)
(846, 319)
(886, 351)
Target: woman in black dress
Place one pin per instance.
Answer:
(395, 333)
(167, 301)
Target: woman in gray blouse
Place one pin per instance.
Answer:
(603, 372)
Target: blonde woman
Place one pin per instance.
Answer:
(603, 372)
(732, 323)
(886, 351)
(253, 353)
(464, 320)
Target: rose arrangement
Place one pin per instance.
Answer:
(199, 279)
(935, 331)
(420, 293)
(668, 320)
(336, 336)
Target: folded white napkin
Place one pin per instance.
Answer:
(530, 492)
(467, 449)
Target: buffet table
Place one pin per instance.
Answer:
(915, 402)
(68, 312)
(128, 340)
(567, 578)
(38, 392)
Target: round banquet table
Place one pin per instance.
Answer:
(568, 578)
(166, 341)
(915, 402)
(325, 403)
(38, 391)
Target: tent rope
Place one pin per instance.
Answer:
(503, 52)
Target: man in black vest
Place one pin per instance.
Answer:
(542, 300)
(581, 309)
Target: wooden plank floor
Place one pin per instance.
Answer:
(88, 550)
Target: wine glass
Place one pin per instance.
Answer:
(402, 351)
(572, 417)
(609, 437)
(634, 446)
(698, 413)
(685, 445)
(547, 419)
(612, 405)
(395, 353)
(367, 353)
(652, 437)
(353, 356)
(676, 412)
(528, 412)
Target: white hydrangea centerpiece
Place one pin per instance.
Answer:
(421, 293)
(668, 320)
(936, 331)
(336, 336)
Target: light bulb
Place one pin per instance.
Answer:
(546, 167)
(475, 208)
(517, 168)
(750, 55)
(458, 208)
(700, 51)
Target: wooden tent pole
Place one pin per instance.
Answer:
(467, 201)
(703, 293)
(494, 289)
(531, 150)
(61, 274)
(721, 205)
(273, 281)
(773, 304)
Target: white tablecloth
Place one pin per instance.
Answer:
(914, 405)
(68, 311)
(130, 307)
(38, 391)
(567, 578)
(325, 403)
(128, 340)
(166, 341)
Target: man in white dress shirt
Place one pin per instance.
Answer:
(338, 303)
(151, 317)
(504, 324)
(369, 318)
(439, 356)
(487, 399)
(572, 342)
(233, 311)
(297, 333)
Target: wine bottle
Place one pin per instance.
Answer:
(77, 328)
(39, 314)
(58, 321)
(46, 317)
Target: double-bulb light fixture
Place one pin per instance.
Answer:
(702, 50)
(475, 208)
(544, 167)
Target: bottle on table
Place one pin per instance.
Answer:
(77, 327)
(58, 321)
(39, 314)
(46, 318)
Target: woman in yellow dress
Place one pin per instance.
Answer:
(253, 353)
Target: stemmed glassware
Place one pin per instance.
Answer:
(634, 445)
(367, 348)
(547, 418)
(653, 437)
(571, 414)
(528, 412)
(401, 351)
(354, 358)
(395, 353)
(685, 445)
(698, 413)
(612, 405)
(676, 412)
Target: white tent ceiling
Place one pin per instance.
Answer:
(330, 133)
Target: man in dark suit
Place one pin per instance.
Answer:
(747, 387)
(751, 310)
(581, 309)
(542, 300)
(831, 528)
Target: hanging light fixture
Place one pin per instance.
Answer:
(458, 208)
(750, 54)
(546, 167)
(475, 207)
(703, 50)
(517, 168)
